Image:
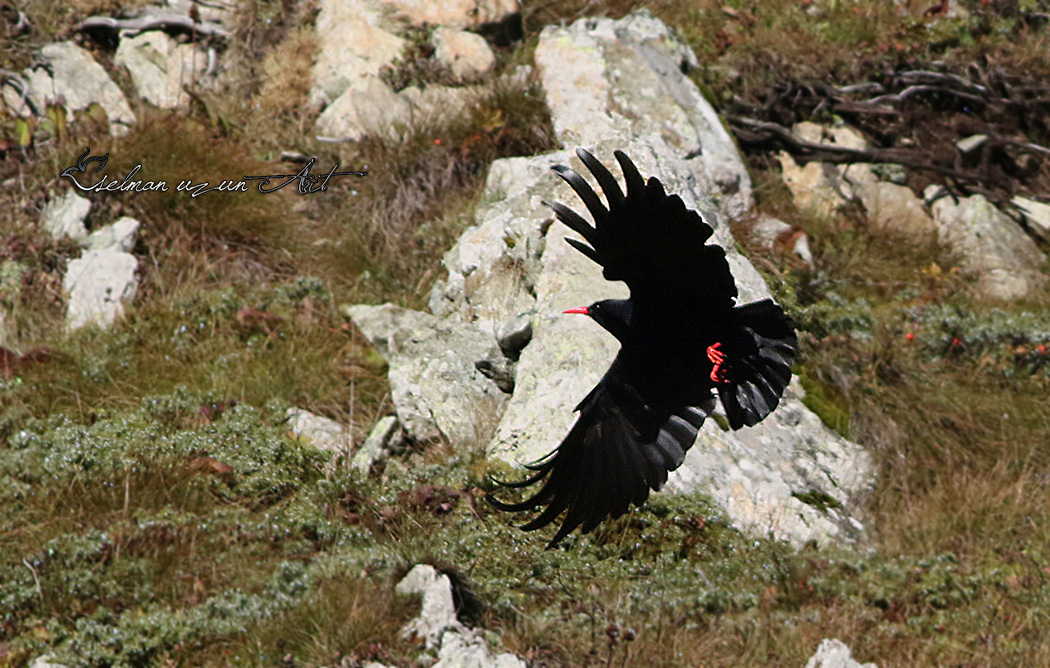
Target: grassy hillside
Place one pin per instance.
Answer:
(157, 512)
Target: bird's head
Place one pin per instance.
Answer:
(612, 314)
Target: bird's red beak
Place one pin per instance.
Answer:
(578, 309)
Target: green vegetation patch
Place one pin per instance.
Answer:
(189, 527)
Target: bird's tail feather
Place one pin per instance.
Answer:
(754, 382)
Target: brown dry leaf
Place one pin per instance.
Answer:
(11, 362)
(213, 466)
(256, 320)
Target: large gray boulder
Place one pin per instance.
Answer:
(467, 54)
(990, 246)
(791, 475)
(102, 280)
(617, 85)
(608, 79)
(434, 384)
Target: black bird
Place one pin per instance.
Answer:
(682, 339)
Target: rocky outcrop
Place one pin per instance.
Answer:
(358, 40)
(619, 85)
(823, 188)
(320, 432)
(67, 74)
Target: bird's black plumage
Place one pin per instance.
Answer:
(682, 340)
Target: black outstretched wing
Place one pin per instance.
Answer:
(648, 239)
(618, 450)
(651, 241)
(759, 353)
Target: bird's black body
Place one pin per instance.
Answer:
(682, 340)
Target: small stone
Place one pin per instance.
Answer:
(833, 653)
(971, 143)
(814, 186)
(465, 53)
(160, 67)
(457, 645)
(502, 374)
(45, 661)
(769, 230)
(367, 106)
(438, 611)
(99, 284)
(119, 236)
(377, 443)
(895, 208)
(456, 13)
(801, 249)
(515, 335)
(355, 40)
(320, 432)
(990, 246)
(68, 74)
(64, 216)
(1037, 215)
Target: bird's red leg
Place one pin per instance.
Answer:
(717, 357)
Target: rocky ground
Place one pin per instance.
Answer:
(245, 429)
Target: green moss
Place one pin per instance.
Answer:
(818, 499)
(830, 405)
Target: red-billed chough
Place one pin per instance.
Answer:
(682, 339)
